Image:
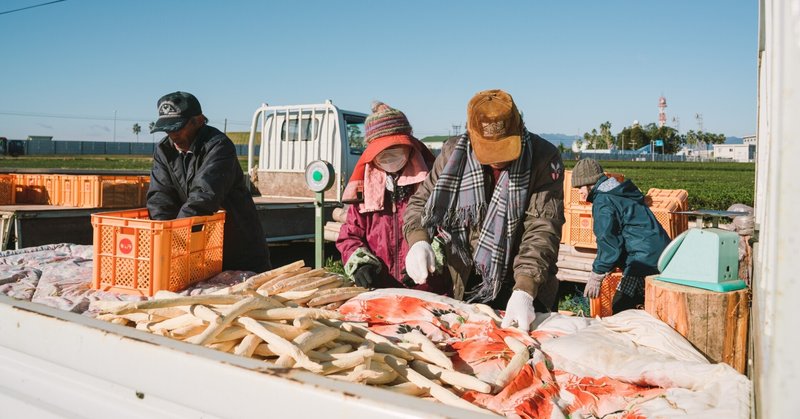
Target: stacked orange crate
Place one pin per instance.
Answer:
(51, 189)
(29, 189)
(70, 191)
(577, 230)
(7, 189)
(144, 186)
(109, 191)
(678, 222)
(135, 255)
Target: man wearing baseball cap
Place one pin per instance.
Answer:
(196, 172)
(493, 203)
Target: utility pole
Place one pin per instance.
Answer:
(456, 129)
(225, 129)
(115, 126)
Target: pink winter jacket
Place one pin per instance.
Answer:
(381, 232)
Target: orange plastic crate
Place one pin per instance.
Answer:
(136, 255)
(660, 198)
(70, 188)
(674, 224)
(30, 190)
(580, 225)
(601, 306)
(109, 191)
(7, 189)
(51, 188)
(144, 186)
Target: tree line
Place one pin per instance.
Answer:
(637, 136)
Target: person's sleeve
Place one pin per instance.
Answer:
(541, 238)
(353, 234)
(163, 202)
(609, 238)
(412, 218)
(215, 179)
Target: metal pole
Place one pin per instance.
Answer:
(319, 238)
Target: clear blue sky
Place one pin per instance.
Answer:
(570, 65)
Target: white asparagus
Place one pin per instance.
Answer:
(294, 295)
(339, 294)
(289, 283)
(256, 281)
(437, 391)
(408, 388)
(238, 309)
(124, 307)
(316, 337)
(280, 345)
(303, 322)
(177, 322)
(346, 361)
(227, 346)
(247, 346)
(521, 356)
(231, 333)
(289, 313)
(454, 378)
(429, 349)
(263, 350)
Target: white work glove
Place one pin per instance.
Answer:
(519, 310)
(420, 261)
(592, 289)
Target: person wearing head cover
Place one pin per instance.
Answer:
(196, 172)
(389, 171)
(494, 205)
(628, 234)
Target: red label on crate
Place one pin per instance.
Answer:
(125, 246)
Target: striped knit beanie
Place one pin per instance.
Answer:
(385, 120)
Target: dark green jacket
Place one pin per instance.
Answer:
(628, 234)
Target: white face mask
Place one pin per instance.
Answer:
(393, 159)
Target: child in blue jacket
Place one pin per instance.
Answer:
(628, 234)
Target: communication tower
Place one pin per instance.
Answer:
(662, 115)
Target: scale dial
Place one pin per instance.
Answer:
(319, 176)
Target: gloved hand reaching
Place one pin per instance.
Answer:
(365, 275)
(519, 310)
(592, 289)
(420, 262)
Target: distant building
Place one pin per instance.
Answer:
(749, 139)
(742, 153)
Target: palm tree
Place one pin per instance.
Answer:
(136, 130)
(151, 126)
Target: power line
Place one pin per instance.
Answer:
(30, 7)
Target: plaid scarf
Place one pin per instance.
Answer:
(458, 204)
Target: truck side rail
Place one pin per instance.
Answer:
(59, 364)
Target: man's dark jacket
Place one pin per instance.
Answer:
(628, 234)
(201, 182)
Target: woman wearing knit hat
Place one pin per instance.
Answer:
(387, 174)
(628, 234)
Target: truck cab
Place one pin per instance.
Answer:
(292, 136)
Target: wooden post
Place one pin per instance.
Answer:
(714, 322)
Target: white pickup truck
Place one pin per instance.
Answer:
(59, 364)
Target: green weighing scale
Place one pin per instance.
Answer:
(319, 176)
(705, 258)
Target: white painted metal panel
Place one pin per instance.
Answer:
(777, 265)
(59, 364)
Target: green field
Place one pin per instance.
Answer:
(710, 185)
